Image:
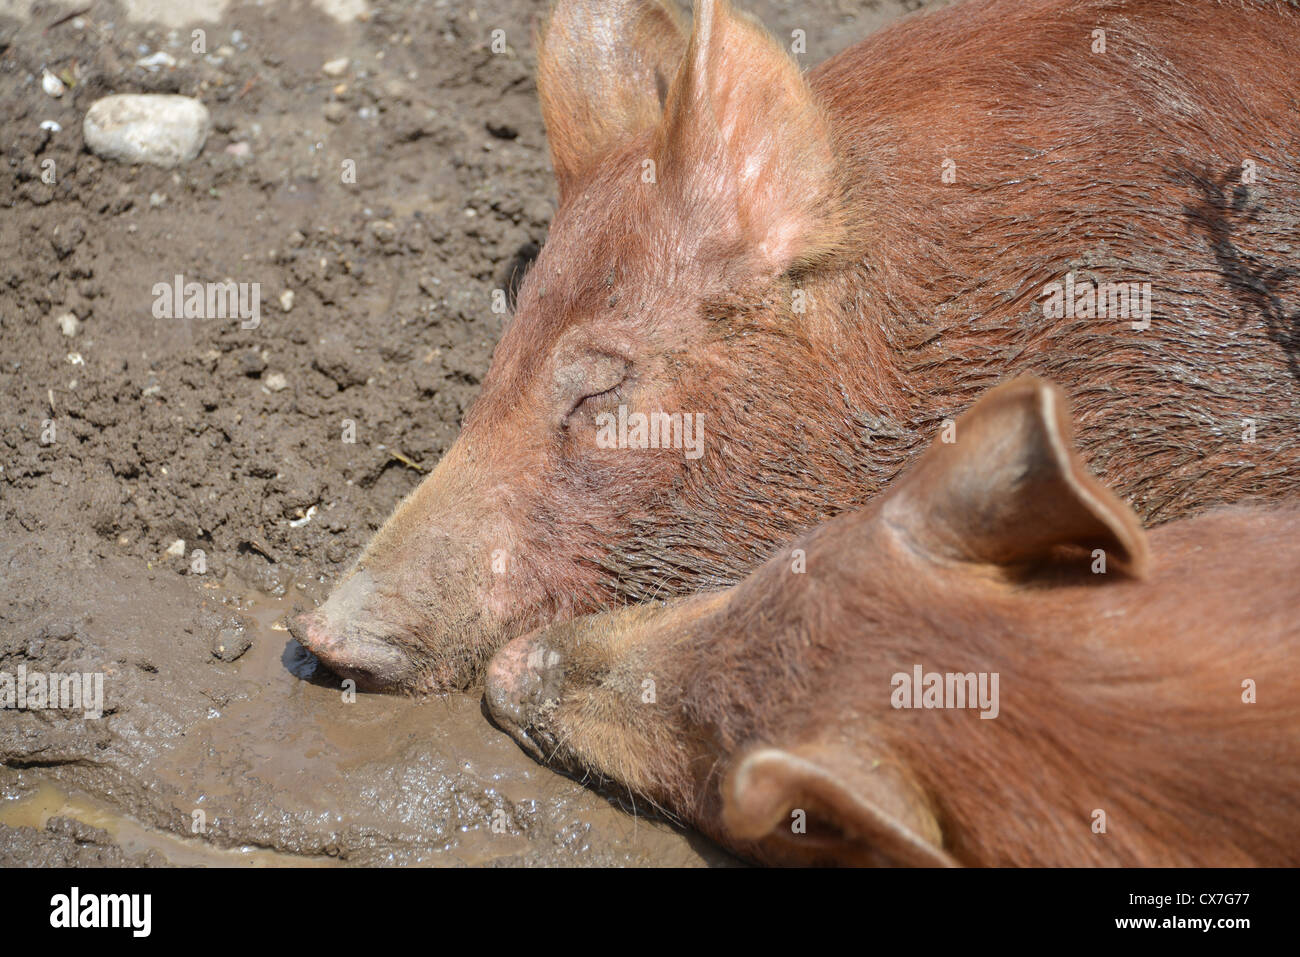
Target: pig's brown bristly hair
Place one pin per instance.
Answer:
(917, 272)
(1154, 734)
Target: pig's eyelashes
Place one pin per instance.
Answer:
(597, 397)
(592, 381)
(596, 401)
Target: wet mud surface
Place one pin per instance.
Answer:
(263, 759)
(171, 488)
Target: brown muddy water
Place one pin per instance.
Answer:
(265, 761)
(46, 801)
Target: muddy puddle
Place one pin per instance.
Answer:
(47, 801)
(265, 760)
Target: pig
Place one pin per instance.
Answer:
(1110, 696)
(803, 277)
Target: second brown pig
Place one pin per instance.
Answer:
(993, 664)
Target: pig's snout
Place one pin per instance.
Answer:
(523, 686)
(337, 634)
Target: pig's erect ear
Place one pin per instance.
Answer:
(1010, 489)
(856, 811)
(746, 147)
(603, 71)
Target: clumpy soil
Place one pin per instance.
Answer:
(134, 444)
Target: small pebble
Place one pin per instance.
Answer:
(176, 549)
(251, 363)
(286, 300)
(276, 382)
(156, 61)
(335, 67)
(68, 237)
(383, 230)
(230, 644)
(61, 629)
(52, 85)
(69, 324)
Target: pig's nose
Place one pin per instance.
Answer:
(313, 633)
(506, 682)
(523, 678)
(310, 631)
(322, 631)
(337, 634)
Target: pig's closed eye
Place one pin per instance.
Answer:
(598, 400)
(596, 383)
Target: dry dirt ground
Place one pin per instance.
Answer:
(133, 434)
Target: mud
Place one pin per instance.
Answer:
(135, 444)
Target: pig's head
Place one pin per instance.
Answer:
(696, 179)
(731, 708)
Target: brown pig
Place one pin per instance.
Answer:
(992, 664)
(801, 277)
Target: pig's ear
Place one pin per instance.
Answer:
(1010, 488)
(855, 810)
(603, 71)
(745, 146)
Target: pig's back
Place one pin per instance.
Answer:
(1238, 571)
(1017, 73)
(1221, 598)
(1125, 167)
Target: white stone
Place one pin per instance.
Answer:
(336, 67)
(155, 62)
(51, 84)
(286, 300)
(176, 549)
(69, 324)
(156, 128)
(276, 382)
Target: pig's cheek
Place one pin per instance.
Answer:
(505, 587)
(499, 599)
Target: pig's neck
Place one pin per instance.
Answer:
(1127, 699)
